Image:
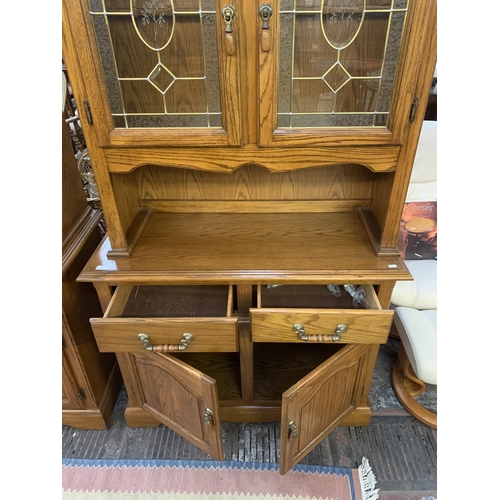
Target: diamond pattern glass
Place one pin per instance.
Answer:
(159, 60)
(338, 60)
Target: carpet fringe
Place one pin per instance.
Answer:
(368, 481)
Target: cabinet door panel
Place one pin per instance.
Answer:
(337, 71)
(315, 405)
(162, 74)
(70, 399)
(179, 396)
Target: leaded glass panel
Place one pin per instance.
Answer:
(338, 61)
(159, 60)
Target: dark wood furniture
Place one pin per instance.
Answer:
(91, 380)
(236, 150)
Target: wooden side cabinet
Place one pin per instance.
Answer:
(91, 380)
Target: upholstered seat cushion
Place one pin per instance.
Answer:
(421, 293)
(418, 333)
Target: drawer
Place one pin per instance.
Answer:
(165, 314)
(287, 313)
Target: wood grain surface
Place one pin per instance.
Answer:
(252, 248)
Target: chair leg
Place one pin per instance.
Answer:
(400, 383)
(413, 384)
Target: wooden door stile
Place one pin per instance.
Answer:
(244, 299)
(392, 198)
(78, 66)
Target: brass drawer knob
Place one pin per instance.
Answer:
(185, 339)
(301, 331)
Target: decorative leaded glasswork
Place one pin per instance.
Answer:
(159, 60)
(337, 61)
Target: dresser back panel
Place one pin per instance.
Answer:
(253, 183)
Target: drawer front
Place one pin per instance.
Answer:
(209, 334)
(363, 326)
(120, 328)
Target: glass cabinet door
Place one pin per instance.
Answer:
(163, 73)
(336, 69)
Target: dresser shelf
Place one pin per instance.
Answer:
(184, 248)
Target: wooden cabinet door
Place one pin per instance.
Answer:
(315, 405)
(156, 72)
(340, 72)
(182, 398)
(70, 390)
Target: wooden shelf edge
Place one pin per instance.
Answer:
(254, 206)
(255, 277)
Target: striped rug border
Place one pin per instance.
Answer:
(314, 469)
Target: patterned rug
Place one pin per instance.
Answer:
(194, 480)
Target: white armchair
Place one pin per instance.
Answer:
(415, 320)
(415, 302)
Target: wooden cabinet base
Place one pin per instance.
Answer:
(85, 419)
(271, 412)
(136, 416)
(97, 418)
(360, 417)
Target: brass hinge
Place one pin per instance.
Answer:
(413, 110)
(292, 429)
(86, 106)
(81, 394)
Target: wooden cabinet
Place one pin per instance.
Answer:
(91, 380)
(237, 146)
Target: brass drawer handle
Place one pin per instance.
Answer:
(300, 330)
(186, 338)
